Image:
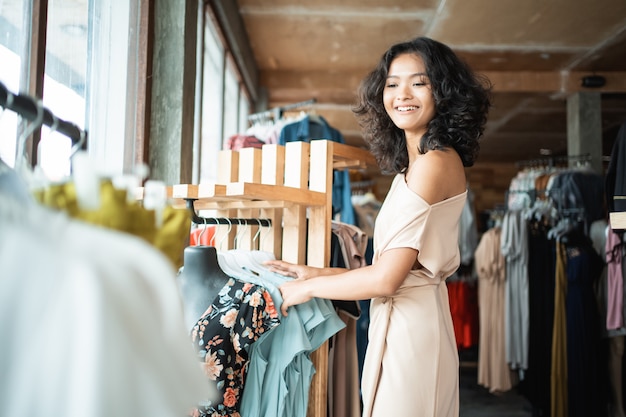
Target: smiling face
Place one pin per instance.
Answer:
(407, 95)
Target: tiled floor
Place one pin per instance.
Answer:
(476, 401)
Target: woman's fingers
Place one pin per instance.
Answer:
(282, 267)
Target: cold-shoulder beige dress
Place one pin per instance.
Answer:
(411, 365)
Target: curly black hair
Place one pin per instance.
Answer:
(462, 102)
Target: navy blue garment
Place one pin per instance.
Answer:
(308, 129)
(584, 364)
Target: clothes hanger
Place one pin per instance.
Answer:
(251, 260)
(11, 184)
(20, 156)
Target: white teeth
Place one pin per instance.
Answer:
(407, 108)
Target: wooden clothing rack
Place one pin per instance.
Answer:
(290, 185)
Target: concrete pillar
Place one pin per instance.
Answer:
(173, 91)
(584, 128)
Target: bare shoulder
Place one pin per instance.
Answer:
(437, 175)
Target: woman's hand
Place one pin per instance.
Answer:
(299, 272)
(293, 293)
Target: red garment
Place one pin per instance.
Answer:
(464, 308)
(196, 237)
(238, 141)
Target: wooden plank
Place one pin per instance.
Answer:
(234, 204)
(250, 165)
(247, 191)
(249, 171)
(227, 166)
(272, 173)
(208, 190)
(294, 221)
(346, 156)
(227, 172)
(273, 165)
(318, 254)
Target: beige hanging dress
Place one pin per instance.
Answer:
(411, 365)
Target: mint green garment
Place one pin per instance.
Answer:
(280, 371)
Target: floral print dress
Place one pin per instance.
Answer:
(239, 316)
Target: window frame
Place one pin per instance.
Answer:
(139, 70)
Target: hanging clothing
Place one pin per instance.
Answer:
(493, 370)
(463, 295)
(615, 182)
(280, 372)
(541, 282)
(91, 321)
(415, 322)
(514, 246)
(615, 281)
(584, 385)
(307, 129)
(559, 375)
(468, 231)
(366, 209)
(348, 246)
(238, 141)
(223, 338)
(117, 213)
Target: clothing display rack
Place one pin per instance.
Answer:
(291, 187)
(551, 161)
(277, 112)
(222, 220)
(32, 109)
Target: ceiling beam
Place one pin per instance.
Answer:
(553, 82)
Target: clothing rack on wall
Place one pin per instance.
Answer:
(33, 110)
(223, 220)
(552, 161)
(291, 186)
(277, 112)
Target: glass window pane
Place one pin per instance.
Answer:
(231, 103)
(13, 37)
(64, 81)
(244, 111)
(212, 84)
(87, 83)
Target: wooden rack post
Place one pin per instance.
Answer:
(289, 185)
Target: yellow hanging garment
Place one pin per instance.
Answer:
(115, 212)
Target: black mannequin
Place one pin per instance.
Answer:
(200, 280)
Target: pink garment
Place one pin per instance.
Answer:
(615, 282)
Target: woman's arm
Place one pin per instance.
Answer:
(300, 272)
(381, 279)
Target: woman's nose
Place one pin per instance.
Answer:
(404, 93)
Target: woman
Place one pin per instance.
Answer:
(422, 111)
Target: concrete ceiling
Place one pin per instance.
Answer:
(535, 52)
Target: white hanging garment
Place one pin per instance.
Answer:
(91, 322)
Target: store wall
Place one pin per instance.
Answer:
(489, 182)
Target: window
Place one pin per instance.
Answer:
(212, 103)
(91, 79)
(231, 102)
(64, 81)
(89, 50)
(225, 106)
(12, 42)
